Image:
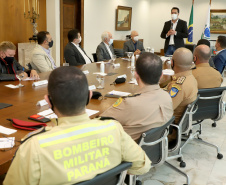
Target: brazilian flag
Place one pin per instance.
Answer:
(189, 40)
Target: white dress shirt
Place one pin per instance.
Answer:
(171, 42)
(108, 48)
(82, 53)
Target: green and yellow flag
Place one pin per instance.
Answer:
(189, 40)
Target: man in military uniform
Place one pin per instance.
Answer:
(77, 148)
(206, 76)
(183, 87)
(150, 107)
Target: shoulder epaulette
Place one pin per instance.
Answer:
(180, 80)
(132, 95)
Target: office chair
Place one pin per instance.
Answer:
(115, 176)
(94, 57)
(155, 143)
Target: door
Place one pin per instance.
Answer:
(71, 17)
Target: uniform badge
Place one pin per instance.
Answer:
(176, 86)
(180, 80)
(173, 92)
(118, 102)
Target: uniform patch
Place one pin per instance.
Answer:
(118, 102)
(180, 80)
(173, 92)
(176, 86)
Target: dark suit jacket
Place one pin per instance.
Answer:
(182, 32)
(102, 52)
(220, 61)
(129, 47)
(73, 56)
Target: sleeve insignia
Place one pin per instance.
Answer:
(118, 102)
(173, 92)
(176, 86)
(180, 80)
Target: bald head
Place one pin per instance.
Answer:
(202, 54)
(182, 58)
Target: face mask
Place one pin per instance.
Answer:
(172, 64)
(80, 39)
(9, 59)
(174, 16)
(51, 44)
(110, 41)
(136, 38)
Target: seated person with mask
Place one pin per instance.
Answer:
(206, 76)
(133, 45)
(150, 107)
(77, 148)
(42, 60)
(73, 53)
(9, 66)
(105, 49)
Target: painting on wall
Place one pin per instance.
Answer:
(123, 18)
(218, 21)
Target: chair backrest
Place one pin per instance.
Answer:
(118, 52)
(155, 143)
(111, 177)
(191, 47)
(94, 57)
(210, 104)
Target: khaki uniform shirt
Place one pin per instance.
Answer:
(183, 90)
(151, 108)
(206, 76)
(76, 150)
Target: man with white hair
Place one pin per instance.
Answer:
(105, 49)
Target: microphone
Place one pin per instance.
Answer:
(171, 26)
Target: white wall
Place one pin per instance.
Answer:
(53, 26)
(148, 17)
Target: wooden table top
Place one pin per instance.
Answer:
(24, 100)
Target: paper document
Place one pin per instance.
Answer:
(12, 86)
(45, 112)
(8, 142)
(42, 103)
(7, 131)
(91, 112)
(30, 78)
(168, 72)
(85, 72)
(119, 93)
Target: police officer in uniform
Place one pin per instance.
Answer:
(77, 148)
(183, 87)
(206, 76)
(150, 107)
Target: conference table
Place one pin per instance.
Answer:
(24, 100)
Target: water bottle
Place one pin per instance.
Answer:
(102, 67)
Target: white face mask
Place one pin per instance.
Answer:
(136, 38)
(110, 41)
(80, 39)
(174, 16)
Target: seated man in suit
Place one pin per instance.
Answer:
(105, 49)
(174, 32)
(207, 43)
(150, 107)
(220, 59)
(9, 66)
(42, 60)
(77, 148)
(73, 53)
(206, 76)
(183, 88)
(133, 45)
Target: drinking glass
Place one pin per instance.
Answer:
(132, 69)
(113, 58)
(129, 54)
(20, 75)
(100, 79)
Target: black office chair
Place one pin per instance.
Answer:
(115, 176)
(119, 52)
(191, 47)
(184, 127)
(94, 57)
(155, 143)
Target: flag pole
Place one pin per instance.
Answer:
(210, 2)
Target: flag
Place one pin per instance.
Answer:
(189, 40)
(206, 32)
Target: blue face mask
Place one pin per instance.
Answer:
(110, 41)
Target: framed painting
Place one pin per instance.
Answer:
(123, 18)
(218, 21)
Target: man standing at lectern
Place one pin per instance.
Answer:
(174, 31)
